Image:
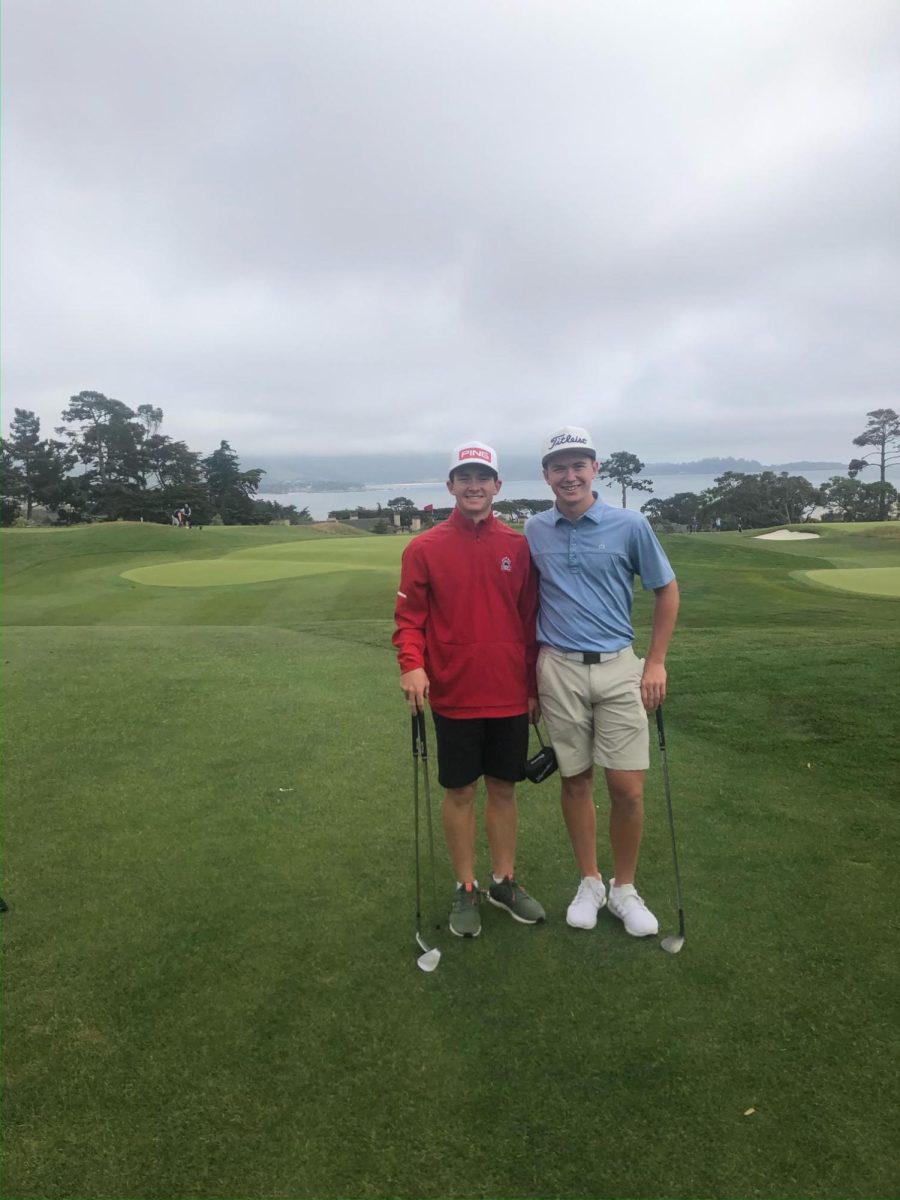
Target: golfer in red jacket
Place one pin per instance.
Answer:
(465, 641)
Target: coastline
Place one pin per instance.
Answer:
(435, 492)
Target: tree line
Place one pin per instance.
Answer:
(405, 509)
(737, 500)
(747, 501)
(111, 462)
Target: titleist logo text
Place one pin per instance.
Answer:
(567, 439)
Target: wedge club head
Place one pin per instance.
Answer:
(430, 959)
(672, 944)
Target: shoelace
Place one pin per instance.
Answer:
(517, 889)
(630, 900)
(589, 889)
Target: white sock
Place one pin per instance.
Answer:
(500, 880)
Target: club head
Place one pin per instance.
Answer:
(429, 960)
(672, 944)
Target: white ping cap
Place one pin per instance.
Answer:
(475, 452)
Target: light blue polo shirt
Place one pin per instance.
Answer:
(587, 569)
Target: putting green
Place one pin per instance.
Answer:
(867, 581)
(377, 552)
(277, 560)
(219, 572)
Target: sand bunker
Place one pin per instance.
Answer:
(784, 535)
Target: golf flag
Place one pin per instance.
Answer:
(428, 508)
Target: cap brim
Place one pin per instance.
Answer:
(588, 451)
(475, 462)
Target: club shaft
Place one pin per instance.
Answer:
(415, 760)
(428, 815)
(661, 733)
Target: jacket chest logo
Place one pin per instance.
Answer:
(505, 564)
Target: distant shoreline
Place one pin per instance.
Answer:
(650, 471)
(320, 504)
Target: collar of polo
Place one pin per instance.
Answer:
(595, 512)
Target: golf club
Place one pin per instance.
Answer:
(673, 943)
(431, 956)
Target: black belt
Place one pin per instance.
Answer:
(590, 658)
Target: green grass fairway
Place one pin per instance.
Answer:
(210, 985)
(870, 581)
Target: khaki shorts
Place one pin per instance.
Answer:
(594, 713)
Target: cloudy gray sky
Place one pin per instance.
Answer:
(314, 224)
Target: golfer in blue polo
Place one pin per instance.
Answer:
(594, 691)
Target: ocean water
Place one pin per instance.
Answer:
(321, 503)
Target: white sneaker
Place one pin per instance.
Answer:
(589, 899)
(626, 904)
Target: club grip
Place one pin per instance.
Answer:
(660, 728)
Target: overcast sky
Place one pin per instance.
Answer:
(377, 225)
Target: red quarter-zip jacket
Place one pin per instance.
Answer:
(466, 612)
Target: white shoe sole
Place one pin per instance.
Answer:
(580, 925)
(463, 935)
(632, 932)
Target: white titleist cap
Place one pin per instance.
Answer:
(570, 437)
(474, 452)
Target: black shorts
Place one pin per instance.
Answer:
(470, 747)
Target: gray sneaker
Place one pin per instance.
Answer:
(512, 896)
(465, 919)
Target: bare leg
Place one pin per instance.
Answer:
(459, 830)
(500, 814)
(577, 798)
(626, 821)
